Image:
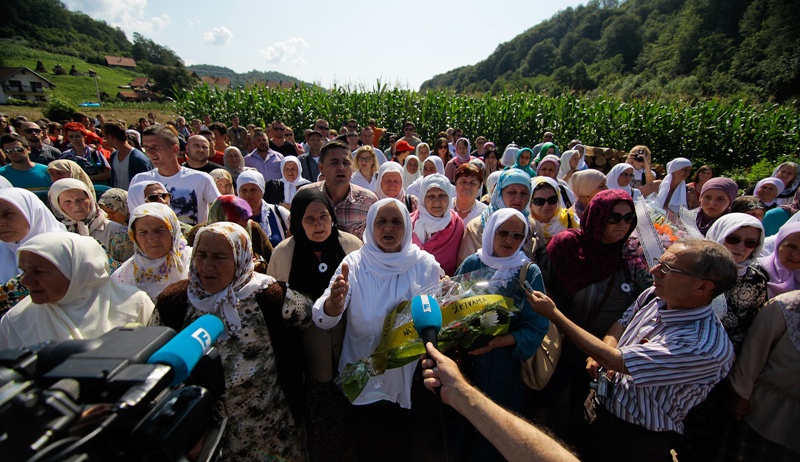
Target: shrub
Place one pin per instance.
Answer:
(58, 108)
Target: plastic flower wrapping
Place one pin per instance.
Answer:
(475, 304)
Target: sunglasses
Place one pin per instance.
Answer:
(33, 130)
(14, 150)
(513, 235)
(156, 197)
(540, 201)
(278, 129)
(352, 135)
(615, 218)
(735, 240)
(322, 127)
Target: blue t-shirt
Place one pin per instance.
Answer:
(35, 179)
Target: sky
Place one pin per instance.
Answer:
(356, 42)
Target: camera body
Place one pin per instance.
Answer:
(602, 385)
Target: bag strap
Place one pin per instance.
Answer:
(523, 273)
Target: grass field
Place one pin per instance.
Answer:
(127, 112)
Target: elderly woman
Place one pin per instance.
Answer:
(72, 294)
(715, 199)
(620, 177)
(547, 207)
(569, 164)
(431, 165)
(161, 254)
(390, 185)
(672, 191)
(783, 265)
(586, 184)
(437, 227)
(307, 261)
(411, 171)
(468, 188)
(750, 205)
(767, 191)
(223, 179)
(272, 218)
(513, 190)
(367, 174)
(72, 199)
(115, 203)
(789, 174)
(494, 366)
(65, 168)
(281, 191)
(524, 161)
(369, 284)
(255, 347)
(22, 216)
(233, 162)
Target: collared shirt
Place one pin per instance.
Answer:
(674, 358)
(351, 212)
(270, 166)
(45, 154)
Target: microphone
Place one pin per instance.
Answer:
(185, 349)
(427, 318)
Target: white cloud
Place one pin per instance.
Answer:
(281, 51)
(128, 15)
(218, 36)
(192, 22)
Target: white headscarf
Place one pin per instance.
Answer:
(437, 161)
(426, 225)
(510, 155)
(485, 253)
(563, 167)
(40, 220)
(379, 262)
(389, 167)
(679, 196)
(290, 187)
(154, 275)
(491, 181)
(409, 177)
(255, 177)
(252, 177)
(5, 183)
(413, 188)
(136, 193)
(612, 178)
(225, 303)
(777, 182)
(92, 305)
(95, 221)
(729, 223)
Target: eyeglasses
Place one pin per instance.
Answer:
(615, 218)
(322, 127)
(278, 129)
(666, 269)
(14, 150)
(540, 201)
(735, 240)
(33, 130)
(626, 175)
(365, 159)
(513, 235)
(352, 135)
(352, 127)
(156, 197)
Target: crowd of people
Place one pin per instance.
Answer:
(302, 247)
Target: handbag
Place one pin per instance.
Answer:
(537, 370)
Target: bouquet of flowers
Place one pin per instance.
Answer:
(474, 304)
(658, 229)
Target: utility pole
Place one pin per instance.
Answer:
(93, 75)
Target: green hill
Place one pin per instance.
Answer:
(241, 80)
(639, 48)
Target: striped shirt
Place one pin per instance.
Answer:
(351, 212)
(673, 357)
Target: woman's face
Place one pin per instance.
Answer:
(548, 169)
(75, 203)
(468, 187)
(13, 224)
(516, 196)
(507, 237)
(389, 229)
(56, 175)
(682, 174)
(573, 161)
(442, 151)
(159, 195)
(624, 178)
(490, 159)
(436, 202)
(392, 184)
(461, 149)
(550, 150)
(615, 232)
(224, 186)
(317, 222)
(714, 202)
(758, 213)
(152, 236)
(705, 175)
(213, 258)
(423, 153)
(45, 281)
(113, 215)
(789, 252)
(233, 160)
(524, 159)
(786, 174)
(428, 168)
(746, 238)
(365, 162)
(251, 193)
(290, 171)
(767, 192)
(412, 166)
(548, 200)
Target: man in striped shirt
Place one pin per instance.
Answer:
(666, 353)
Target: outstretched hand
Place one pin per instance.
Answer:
(441, 371)
(541, 303)
(334, 305)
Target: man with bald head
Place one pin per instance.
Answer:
(198, 151)
(41, 153)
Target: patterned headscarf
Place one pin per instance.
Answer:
(781, 279)
(115, 199)
(96, 218)
(229, 208)
(74, 170)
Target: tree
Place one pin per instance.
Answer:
(168, 78)
(144, 49)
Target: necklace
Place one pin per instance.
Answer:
(465, 212)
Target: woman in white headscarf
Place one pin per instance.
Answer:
(273, 219)
(547, 206)
(72, 294)
(494, 367)
(620, 177)
(390, 185)
(569, 164)
(161, 255)
(233, 162)
(509, 155)
(768, 190)
(672, 191)
(550, 167)
(281, 191)
(411, 170)
(431, 165)
(256, 348)
(437, 227)
(72, 199)
(367, 285)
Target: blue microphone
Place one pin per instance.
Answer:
(185, 349)
(427, 318)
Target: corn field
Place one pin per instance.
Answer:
(727, 135)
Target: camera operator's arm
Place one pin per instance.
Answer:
(606, 355)
(611, 339)
(515, 438)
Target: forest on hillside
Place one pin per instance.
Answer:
(745, 49)
(241, 80)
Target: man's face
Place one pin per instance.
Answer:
(16, 152)
(408, 130)
(352, 126)
(366, 137)
(196, 126)
(262, 142)
(457, 134)
(322, 127)
(352, 139)
(235, 121)
(675, 286)
(158, 150)
(548, 137)
(207, 120)
(314, 142)
(337, 167)
(85, 122)
(278, 131)
(198, 148)
(32, 132)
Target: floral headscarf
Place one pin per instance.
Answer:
(74, 170)
(96, 219)
(115, 199)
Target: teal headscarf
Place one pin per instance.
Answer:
(527, 168)
(508, 177)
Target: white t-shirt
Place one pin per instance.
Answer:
(192, 192)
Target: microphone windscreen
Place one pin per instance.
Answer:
(185, 349)
(426, 313)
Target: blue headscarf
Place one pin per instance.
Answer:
(508, 177)
(527, 168)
